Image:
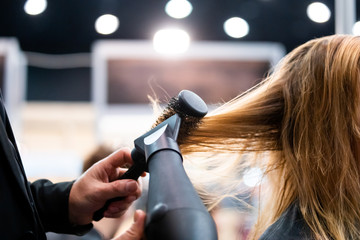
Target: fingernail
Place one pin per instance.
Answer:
(131, 186)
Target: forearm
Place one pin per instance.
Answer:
(52, 202)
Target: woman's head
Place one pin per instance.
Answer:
(305, 115)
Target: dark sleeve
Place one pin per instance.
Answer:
(52, 203)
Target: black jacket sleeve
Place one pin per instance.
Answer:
(52, 203)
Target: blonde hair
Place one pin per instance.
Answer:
(305, 118)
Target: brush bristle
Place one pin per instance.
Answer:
(188, 122)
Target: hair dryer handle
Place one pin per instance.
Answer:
(175, 210)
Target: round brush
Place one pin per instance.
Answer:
(190, 109)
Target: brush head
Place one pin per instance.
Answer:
(190, 108)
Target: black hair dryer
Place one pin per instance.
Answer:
(174, 210)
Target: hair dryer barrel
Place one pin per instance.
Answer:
(175, 210)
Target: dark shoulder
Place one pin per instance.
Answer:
(290, 226)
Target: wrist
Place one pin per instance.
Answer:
(76, 211)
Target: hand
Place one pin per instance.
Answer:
(98, 184)
(136, 231)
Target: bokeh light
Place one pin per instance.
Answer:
(252, 177)
(107, 24)
(35, 7)
(171, 41)
(178, 8)
(236, 27)
(356, 28)
(318, 12)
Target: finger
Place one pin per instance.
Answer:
(125, 203)
(109, 167)
(118, 208)
(119, 188)
(119, 158)
(116, 174)
(112, 214)
(136, 231)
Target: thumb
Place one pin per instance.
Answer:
(136, 231)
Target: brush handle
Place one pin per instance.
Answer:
(134, 173)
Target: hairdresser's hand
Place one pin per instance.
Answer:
(136, 231)
(98, 184)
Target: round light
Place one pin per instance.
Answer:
(252, 177)
(171, 41)
(236, 27)
(178, 8)
(356, 28)
(107, 24)
(35, 7)
(318, 12)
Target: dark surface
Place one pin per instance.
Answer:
(67, 26)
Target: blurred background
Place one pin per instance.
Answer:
(77, 74)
